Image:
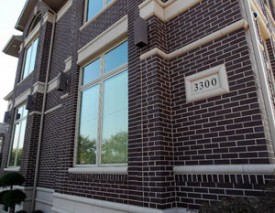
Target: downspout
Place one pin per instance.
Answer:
(261, 70)
(43, 110)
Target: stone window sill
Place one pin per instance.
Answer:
(12, 169)
(99, 170)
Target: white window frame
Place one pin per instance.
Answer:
(25, 59)
(32, 36)
(16, 121)
(87, 21)
(97, 167)
(104, 5)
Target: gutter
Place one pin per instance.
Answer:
(43, 110)
(261, 71)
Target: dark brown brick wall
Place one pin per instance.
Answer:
(201, 20)
(196, 189)
(164, 130)
(225, 129)
(157, 146)
(47, 171)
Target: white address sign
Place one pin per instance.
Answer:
(206, 84)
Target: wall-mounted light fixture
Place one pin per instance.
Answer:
(140, 32)
(29, 103)
(62, 82)
(7, 117)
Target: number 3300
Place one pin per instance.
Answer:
(205, 84)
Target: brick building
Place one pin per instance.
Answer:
(3, 130)
(141, 106)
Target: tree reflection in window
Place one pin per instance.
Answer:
(103, 112)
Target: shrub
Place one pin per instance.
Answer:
(261, 204)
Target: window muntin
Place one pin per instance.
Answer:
(30, 58)
(19, 130)
(95, 6)
(103, 116)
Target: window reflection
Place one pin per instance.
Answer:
(87, 138)
(103, 121)
(95, 6)
(115, 119)
(91, 72)
(30, 59)
(120, 54)
(18, 137)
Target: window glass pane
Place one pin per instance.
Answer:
(94, 6)
(21, 142)
(33, 56)
(115, 120)
(116, 57)
(91, 72)
(30, 59)
(87, 138)
(14, 145)
(27, 62)
(24, 111)
(21, 113)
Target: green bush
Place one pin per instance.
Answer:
(261, 204)
(9, 198)
(11, 179)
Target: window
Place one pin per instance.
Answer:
(19, 129)
(31, 48)
(30, 57)
(95, 6)
(103, 115)
(1, 142)
(36, 20)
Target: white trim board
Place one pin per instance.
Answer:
(22, 97)
(261, 169)
(213, 36)
(38, 87)
(99, 170)
(116, 32)
(71, 204)
(165, 11)
(63, 10)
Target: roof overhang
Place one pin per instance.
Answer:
(29, 7)
(25, 13)
(13, 46)
(8, 96)
(55, 4)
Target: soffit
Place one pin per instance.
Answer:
(13, 46)
(29, 7)
(55, 4)
(25, 13)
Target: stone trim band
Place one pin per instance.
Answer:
(213, 36)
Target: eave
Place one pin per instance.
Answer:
(55, 5)
(24, 15)
(8, 96)
(13, 46)
(29, 8)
